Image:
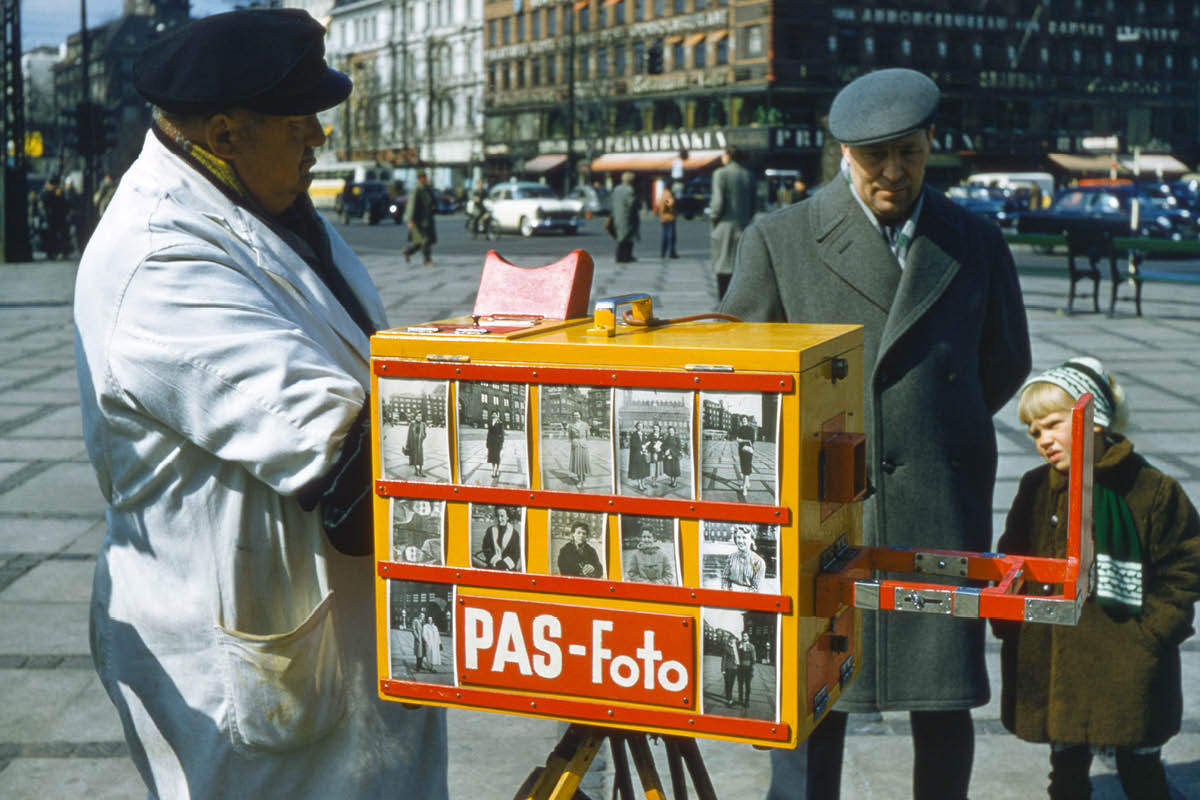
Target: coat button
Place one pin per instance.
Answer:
(888, 465)
(1054, 519)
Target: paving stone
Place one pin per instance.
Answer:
(69, 486)
(52, 582)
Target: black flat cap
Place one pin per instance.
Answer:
(269, 61)
(882, 105)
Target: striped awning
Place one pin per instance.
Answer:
(654, 162)
(693, 38)
(545, 162)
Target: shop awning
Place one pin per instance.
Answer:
(693, 38)
(545, 162)
(1082, 164)
(676, 38)
(654, 162)
(717, 36)
(1155, 164)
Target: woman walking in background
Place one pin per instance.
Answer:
(495, 443)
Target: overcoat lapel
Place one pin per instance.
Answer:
(929, 270)
(852, 248)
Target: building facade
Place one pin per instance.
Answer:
(418, 93)
(1021, 79)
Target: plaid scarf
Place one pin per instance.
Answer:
(897, 239)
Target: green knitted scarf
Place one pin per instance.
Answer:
(1118, 555)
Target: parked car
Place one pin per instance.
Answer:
(444, 202)
(594, 199)
(530, 207)
(696, 198)
(1110, 207)
(367, 200)
(985, 201)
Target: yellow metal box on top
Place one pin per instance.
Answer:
(620, 530)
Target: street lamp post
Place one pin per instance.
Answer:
(569, 183)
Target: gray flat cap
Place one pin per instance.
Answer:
(882, 105)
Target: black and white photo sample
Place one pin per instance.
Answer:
(739, 556)
(650, 549)
(575, 445)
(417, 527)
(493, 449)
(578, 543)
(415, 443)
(739, 435)
(497, 537)
(654, 443)
(739, 674)
(420, 635)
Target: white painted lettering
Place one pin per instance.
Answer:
(547, 662)
(600, 653)
(477, 636)
(510, 645)
(672, 684)
(624, 671)
(648, 656)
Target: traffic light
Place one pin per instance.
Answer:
(655, 63)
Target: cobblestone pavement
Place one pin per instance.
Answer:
(59, 734)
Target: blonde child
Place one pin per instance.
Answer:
(1112, 680)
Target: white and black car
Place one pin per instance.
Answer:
(527, 207)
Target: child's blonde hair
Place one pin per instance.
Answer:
(1058, 388)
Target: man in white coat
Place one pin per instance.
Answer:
(222, 350)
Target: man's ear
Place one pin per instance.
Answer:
(219, 136)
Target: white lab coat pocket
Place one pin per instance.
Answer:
(284, 690)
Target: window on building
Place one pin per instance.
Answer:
(618, 59)
(491, 77)
(869, 45)
(1044, 55)
(483, 398)
(619, 13)
(519, 24)
(535, 24)
(601, 62)
(639, 58)
(1139, 60)
(701, 4)
(699, 55)
(659, 8)
(535, 74)
(639, 9)
(520, 65)
(833, 40)
(505, 77)
(677, 56)
(551, 76)
(551, 21)
(506, 30)
(906, 48)
(584, 64)
(754, 41)
(585, 18)
(491, 33)
(1168, 62)
(601, 15)
(977, 51)
(723, 51)
(678, 6)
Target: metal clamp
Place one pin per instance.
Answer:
(604, 314)
(926, 601)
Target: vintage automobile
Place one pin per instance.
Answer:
(528, 208)
(696, 197)
(1108, 208)
(367, 200)
(985, 201)
(595, 199)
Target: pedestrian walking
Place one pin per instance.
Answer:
(1113, 679)
(744, 435)
(732, 208)
(103, 194)
(56, 241)
(945, 345)
(625, 211)
(419, 217)
(223, 354)
(666, 218)
(495, 443)
(671, 450)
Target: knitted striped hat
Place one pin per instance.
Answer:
(1079, 375)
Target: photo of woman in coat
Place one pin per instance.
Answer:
(744, 434)
(414, 443)
(671, 449)
(638, 468)
(495, 443)
(501, 547)
(581, 462)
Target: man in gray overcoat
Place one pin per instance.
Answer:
(945, 346)
(732, 207)
(625, 218)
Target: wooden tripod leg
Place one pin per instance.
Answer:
(565, 766)
(695, 764)
(675, 762)
(643, 759)
(622, 780)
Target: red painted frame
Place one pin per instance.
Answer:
(1007, 573)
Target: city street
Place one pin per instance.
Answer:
(555, 454)
(722, 478)
(60, 735)
(472, 459)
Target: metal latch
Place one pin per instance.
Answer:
(926, 601)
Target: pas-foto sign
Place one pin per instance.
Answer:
(576, 650)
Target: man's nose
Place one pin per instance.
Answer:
(314, 133)
(892, 167)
